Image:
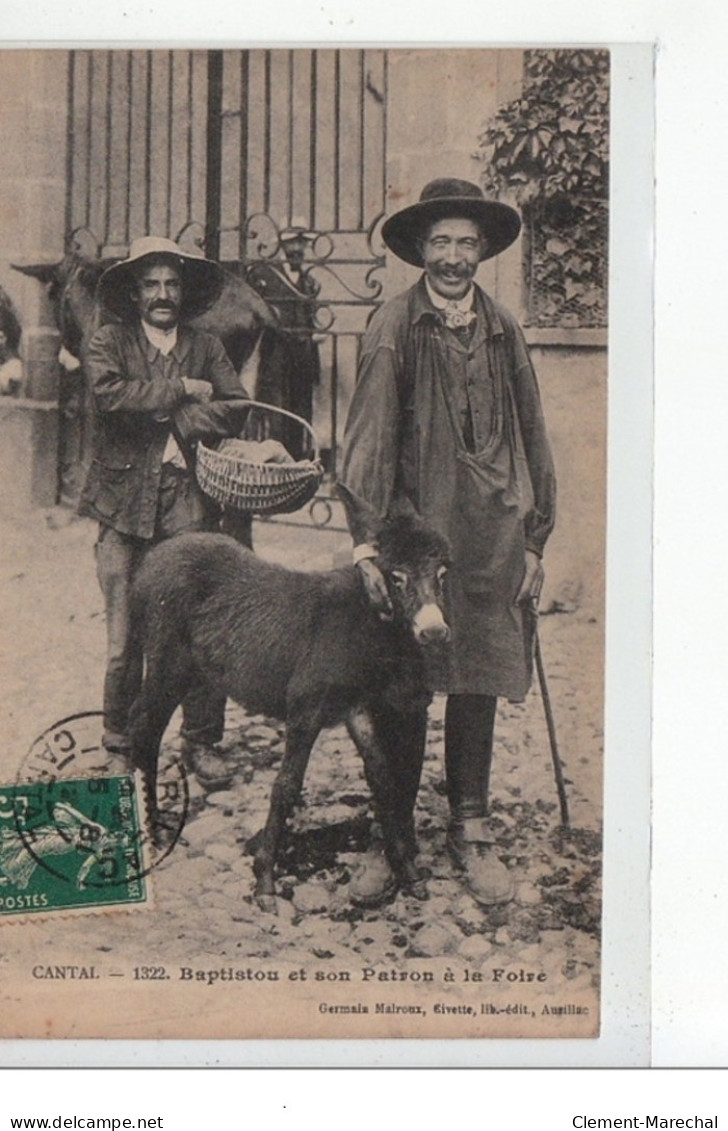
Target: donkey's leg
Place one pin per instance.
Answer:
(166, 680)
(301, 731)
(372, 743)
(402, 737)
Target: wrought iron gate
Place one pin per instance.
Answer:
(239, 149)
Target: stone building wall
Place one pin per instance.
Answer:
(32, 210)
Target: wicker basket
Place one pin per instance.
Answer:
(260, 488)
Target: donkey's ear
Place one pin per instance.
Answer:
(44, 272)
(363, 521)
(83, 243)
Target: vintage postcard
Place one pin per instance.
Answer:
(406, 251)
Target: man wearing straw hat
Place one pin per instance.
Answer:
(446, 418)
(157, 386)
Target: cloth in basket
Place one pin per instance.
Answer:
(257, 477)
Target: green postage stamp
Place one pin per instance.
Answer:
(71, 845)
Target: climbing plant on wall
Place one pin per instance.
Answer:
(549, 148)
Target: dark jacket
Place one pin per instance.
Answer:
(493, 497)
(137, 395)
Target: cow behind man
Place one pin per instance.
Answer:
(157, 386)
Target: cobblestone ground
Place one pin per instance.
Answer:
(51, 650)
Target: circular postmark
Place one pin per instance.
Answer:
(79, 812)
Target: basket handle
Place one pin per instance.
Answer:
(292, 416)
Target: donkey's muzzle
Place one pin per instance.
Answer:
(430, 626)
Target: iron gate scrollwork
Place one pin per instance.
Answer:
(297, 142)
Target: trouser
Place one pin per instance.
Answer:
(469, 726)
(469, 723)
(118, 557)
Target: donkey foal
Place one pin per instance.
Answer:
(307, 648)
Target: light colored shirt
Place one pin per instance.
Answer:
(441, 303)
(165, 341)
(458, 312)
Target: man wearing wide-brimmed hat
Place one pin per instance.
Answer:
(446, 418)
(158, 385)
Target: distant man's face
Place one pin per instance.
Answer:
(294, 250)
(158, 295)
(451, 252)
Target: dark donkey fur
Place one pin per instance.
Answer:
(307, 648)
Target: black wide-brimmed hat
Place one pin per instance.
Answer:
(202, 280)
(444, 199)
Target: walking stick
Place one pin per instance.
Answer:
(546, 700)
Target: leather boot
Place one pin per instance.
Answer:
(471, 848)
(469, 723)
(374, 882)
(208, 764)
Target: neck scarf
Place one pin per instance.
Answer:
(457, 312)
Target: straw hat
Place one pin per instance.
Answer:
(202, 280)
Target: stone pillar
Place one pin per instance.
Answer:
(34, 97)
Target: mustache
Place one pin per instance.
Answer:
(162, 305)
(459, 271)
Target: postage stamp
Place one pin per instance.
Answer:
(70, 844)
(73, 829)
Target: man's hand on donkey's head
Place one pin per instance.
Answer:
(376, 587)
